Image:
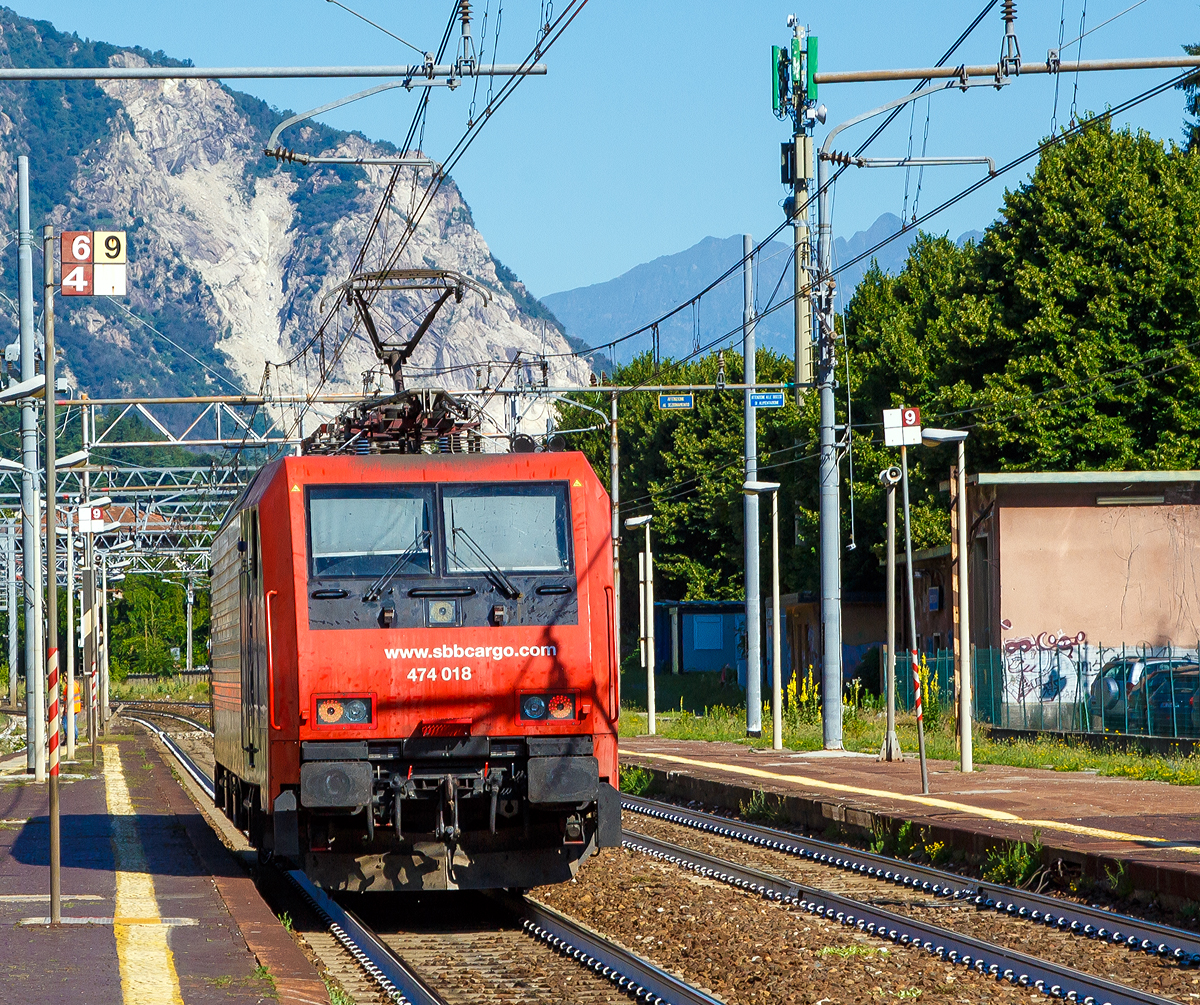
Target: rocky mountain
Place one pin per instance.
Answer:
(230, 253)
(605, 311)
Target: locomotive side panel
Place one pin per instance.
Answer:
(226, 660)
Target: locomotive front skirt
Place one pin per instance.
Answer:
(415, 678)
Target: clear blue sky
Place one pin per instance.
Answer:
(653, 128)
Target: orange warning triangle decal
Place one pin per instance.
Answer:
(577, 484)
(295, 488)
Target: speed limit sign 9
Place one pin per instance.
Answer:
(93, 263)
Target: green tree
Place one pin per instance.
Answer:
(147, 620)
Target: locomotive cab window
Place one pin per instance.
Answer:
(510, 527)
(370, 530)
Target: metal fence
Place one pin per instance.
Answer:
(939, 667)
(1070, 685)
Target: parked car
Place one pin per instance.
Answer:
(1163, 702)
(1113, 685)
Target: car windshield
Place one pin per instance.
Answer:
(511, 528)
(1117, 671)
(362, 530)
(1163, 677)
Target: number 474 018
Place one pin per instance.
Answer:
(427, 675)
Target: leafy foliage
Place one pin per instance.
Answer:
(147, 620)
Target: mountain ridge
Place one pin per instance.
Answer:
(604, 311)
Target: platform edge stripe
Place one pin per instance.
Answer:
(964, 945)
(964, 886)
(653, 979)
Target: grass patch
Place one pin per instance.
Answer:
(863, 731)
(337, 996)
(846, 952)
(285, 919)
(163, 689)
(762, 810)
(1015, 864)
(685, 692)
(636, 781)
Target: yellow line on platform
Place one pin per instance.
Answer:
(1000, 816)
(147, 964)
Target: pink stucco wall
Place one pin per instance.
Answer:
(1123, 575)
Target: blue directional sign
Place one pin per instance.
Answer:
(669, 401)
(766, 399)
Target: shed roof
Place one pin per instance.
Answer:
(1085, 477)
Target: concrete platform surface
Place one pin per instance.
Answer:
(144, 918)
(1090, 822)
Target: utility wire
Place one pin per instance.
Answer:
(338, 3)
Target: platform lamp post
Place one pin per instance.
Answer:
(647, 605)
(934, 437)
(760, 488)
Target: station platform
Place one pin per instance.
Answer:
(1087, 824)
(156, 910)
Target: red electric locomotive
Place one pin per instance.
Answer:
(414, 671)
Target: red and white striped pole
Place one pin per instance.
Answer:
(52, 581)
(52, 689)
(916, 672)
(912, 621)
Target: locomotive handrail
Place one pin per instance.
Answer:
(270, 665)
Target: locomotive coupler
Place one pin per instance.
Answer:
(493, 787)
(448, 834)
(401, 790)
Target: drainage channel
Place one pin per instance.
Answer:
(632, 975)
(985, 958)
(1039, 909)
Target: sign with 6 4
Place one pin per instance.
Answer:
(93, 263)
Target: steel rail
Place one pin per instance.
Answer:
(643, 980)
(388, 970)
(1037, 908)
(985, 958)
(123, 708)
(635, 976)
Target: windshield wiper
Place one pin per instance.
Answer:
(494, 572)
(377, 588)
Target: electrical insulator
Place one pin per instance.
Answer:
(721, 370)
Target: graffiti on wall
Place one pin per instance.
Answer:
(1044, 667)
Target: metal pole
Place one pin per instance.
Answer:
(70, 642)
(642, 609)
(830, 516)
(649, 633)
(31, 519)
(751, 544)
(912, 624)
(52, 688)
(191, 600)
(614, 494)
(10, 549)
(891, 744)
(802, 308)
(102, 648)
(966, 753)
(989, 70)
(776, 630)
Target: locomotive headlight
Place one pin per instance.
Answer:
(533, 707)
(357, 710)
(544, 706)
(344, 711)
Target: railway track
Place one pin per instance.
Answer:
(1087, 944)
(516, 958)
(1080, 920)
(490, 957)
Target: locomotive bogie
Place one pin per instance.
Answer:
(414, 674)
